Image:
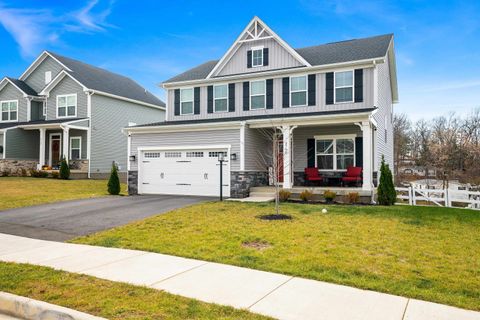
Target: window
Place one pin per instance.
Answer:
(151, 155)
(257, 57)
(344, 86)
(48, 77)
(335, 153)
(9, 110)
(186, 101)
(75, 148)
(67, 106)
(195, 154)
(298, 91)
(257, 94)
(215, 154)
(173, 154)
(220, 97)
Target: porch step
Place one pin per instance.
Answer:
(263, 189)
(262, 194)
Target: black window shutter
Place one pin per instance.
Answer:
(359, 151)
(231, 97)
(196, 100)
(310, 153)
(210, 99)
(246, 96)
(176, 101)
(358, 85)
(265, 56)
(269, 93)
(286, 92)
(312, 89)
(249, 58)
(329, 88)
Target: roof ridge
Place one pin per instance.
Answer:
(343, 41)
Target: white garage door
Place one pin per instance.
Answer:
(183, 172)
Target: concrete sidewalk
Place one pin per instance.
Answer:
(271, 294)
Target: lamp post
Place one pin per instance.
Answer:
(221, 159)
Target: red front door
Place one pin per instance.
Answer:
(280, 161)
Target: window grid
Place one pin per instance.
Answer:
(215, 154)
(344, 87)
(338, 157)
(256, 97)
(186, 101)
(66, 106)
(9, 110)
(173, 154)
(220, 98)
(195, 154)
(75, 148)
(302, 92)
(257, 57)
(151, 155)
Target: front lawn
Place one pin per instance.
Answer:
(421, 252)
(21, 192)
(111, 300)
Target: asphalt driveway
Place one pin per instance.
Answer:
(66, 220)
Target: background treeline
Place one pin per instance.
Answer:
(449, 144)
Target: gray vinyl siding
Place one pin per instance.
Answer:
(109, 116)
(36, 111)
(177, 139)
(83, 123)
(36, 80)
(302, 134)
(278, 58)
(381, 146)
(67, 86)
(22, 144)
(9, 92)
(258, 146)
(368, 101)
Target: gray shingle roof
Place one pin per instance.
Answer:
(23, 86)
(33, 123)
(103, 80)
(335, 52)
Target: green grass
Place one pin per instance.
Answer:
(21, 192)
(111, 300)
(421, 252)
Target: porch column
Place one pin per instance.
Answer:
(287, 156)
(41, 156)
(367, 155)
(65, 138)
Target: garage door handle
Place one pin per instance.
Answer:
(146, 161)
(162, 175)
(145, 183)
(205, 176)
(183, 184)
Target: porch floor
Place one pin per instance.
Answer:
(315, 190)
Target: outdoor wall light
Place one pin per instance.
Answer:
(233, 156)
(132, 158)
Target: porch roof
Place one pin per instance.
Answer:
(39, 123)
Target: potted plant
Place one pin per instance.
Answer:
(329, 196)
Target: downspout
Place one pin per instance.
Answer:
(89, 131)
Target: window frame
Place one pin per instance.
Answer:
(192, 101)
(8, 111)
(256, 95)
(335, 86)
(215, 98)
(79, 147)
(260, 48)
(290, 90)
(66, 105)
(335, 154)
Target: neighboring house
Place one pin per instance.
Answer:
(60, 107)
(332, 103)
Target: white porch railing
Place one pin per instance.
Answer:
(439, 197)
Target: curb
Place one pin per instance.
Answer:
(29, 309)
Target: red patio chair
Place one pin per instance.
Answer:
(353, 175)
(312, 175)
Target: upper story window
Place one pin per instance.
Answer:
(298, 91)
(75, 148)
(9, 110)
(257, 57)
(48, 77)
(186, 101)
(344, 86)
(257, 94)
(336, 153)
(220, 97)
(67, 105)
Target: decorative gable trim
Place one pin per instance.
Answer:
(255, 30)
(62, 74)
(38, 61)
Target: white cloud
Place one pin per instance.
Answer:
(33, 29)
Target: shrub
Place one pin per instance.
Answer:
(284, 195)
(352, 197)
(64, 169)
(55, 175)
(38, 173)
(306, 195)
(386, 190)
(114, 181)
(329, 195)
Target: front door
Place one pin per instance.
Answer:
(55, 150)
(280, 161)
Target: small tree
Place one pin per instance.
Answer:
(64, 169)
(114, 181)
(386, 190)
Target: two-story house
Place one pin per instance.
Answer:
(330, 104)
(61, 107)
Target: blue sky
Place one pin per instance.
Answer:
(437, 42)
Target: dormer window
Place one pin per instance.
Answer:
(257, 57)
(48, 77)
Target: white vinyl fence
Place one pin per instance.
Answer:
(439, 197)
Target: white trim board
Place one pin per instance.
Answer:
(37, 62)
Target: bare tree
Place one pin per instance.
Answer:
(402, 140)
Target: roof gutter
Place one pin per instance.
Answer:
(183, 127)
(326, 67)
